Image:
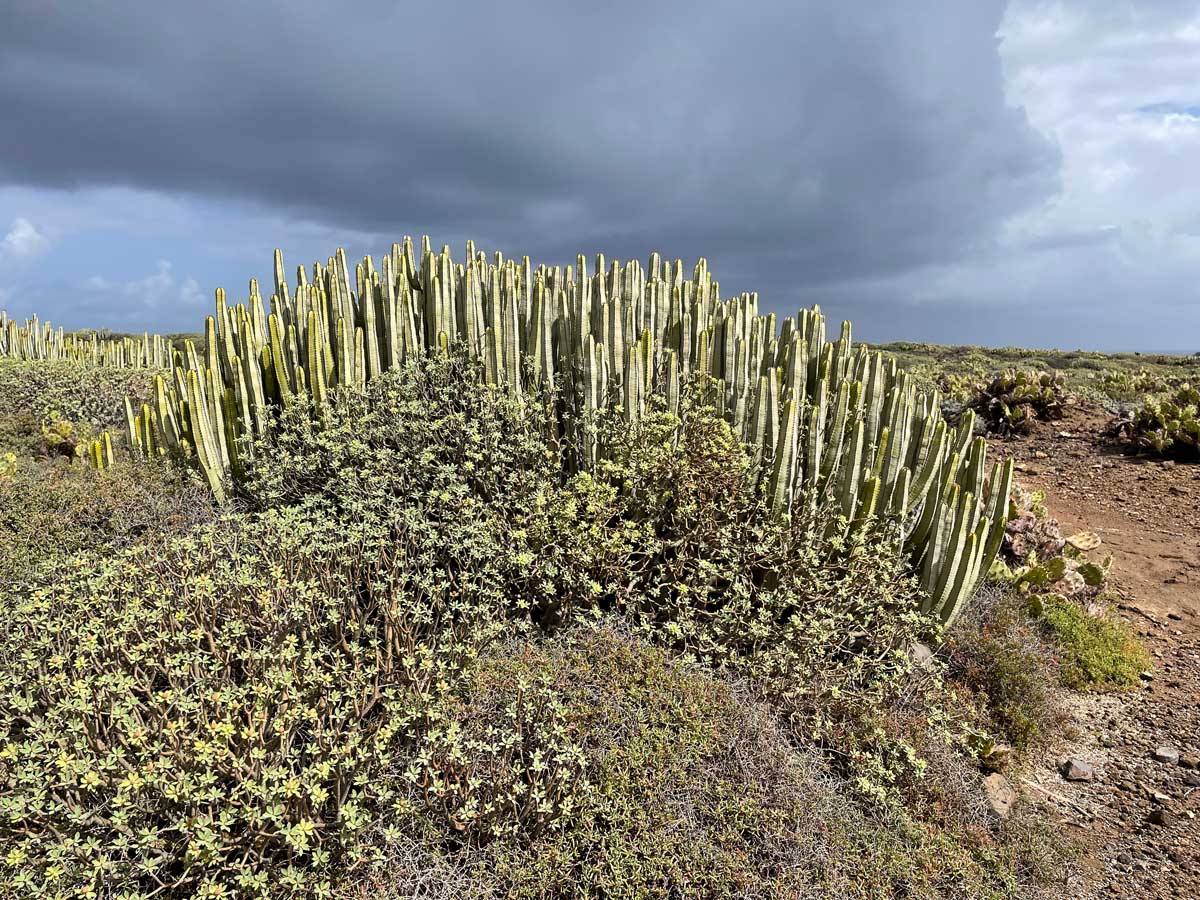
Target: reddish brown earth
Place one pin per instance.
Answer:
(1139, 816)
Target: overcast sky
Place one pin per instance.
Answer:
(965, 172)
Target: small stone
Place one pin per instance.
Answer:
(1160, 816)
(1001, 795)
(1074, 769)
(921, 654)
(1168, 755)
(1191, 778)
(1040, 454)
(1124, 858)
(1189, 760)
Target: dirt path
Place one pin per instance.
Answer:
(1140, 815)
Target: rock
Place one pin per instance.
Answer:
(1189, 760)
(921, 654)
(1160, 816)
(1001, 795)
(1191, 778)
(1124, 858)
(1168, 755)
(1075, 769)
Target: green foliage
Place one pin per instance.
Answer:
(814, 613)
(826, 415)
(1168, 426)
(286, 701)
(692, 791)
(37, 392)
(1100, 652)
(999, 654)
(216, 716)
(1012, 401)
(500, 764)
(431, 450)
(50, 510)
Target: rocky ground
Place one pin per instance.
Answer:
(1128, 781)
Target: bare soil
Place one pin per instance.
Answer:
(1140, 815)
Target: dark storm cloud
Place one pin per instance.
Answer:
(794, 144)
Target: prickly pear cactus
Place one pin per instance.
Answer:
(1167, 426)
(1014, 400)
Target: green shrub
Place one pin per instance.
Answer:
(352, 674)
(693, 790)
(429, 449)
(51, 509)
(215, 716)
(1100, 652)
(813, 615)
(997, 652)
(85, 395)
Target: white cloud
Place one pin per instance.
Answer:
(23, 240)
(1112, 260)
(158, 290)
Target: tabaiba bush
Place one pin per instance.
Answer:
(50, 509)
(91, 396)
(211, 718)
(821, 620)
(430, 449)
(690, 788)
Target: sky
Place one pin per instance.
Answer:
(1019, 173)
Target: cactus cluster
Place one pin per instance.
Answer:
(34, 339)
(1012, 401)
(823, 415)
(1165, 425)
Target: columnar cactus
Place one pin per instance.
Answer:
(823, 416)
(34, 339)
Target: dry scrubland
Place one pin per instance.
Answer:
(481, 581)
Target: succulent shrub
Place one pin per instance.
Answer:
(815, 614)
(693, 790)
(64, 391)
(1167, 426)
(215, 717)
(50, 510)
(1038, 558)
(1014, 400)
(430, 448)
